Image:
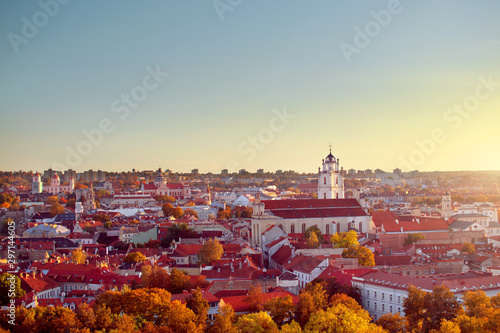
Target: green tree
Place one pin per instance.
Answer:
(363, 254)
(199, 306)
(345, 239)
(413, 238)
(210, 251)
(176, 231)
(134, 257)
(313, 229)
(6, 292)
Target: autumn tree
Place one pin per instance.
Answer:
(78, 256)
(199, 305)
(311, 300)
(281, 309)
(257, 322)
(345, 239)
(393, 323)
(312, 241)
(154, 277)
(313, 229)
(426, 310)
(6, 293)
(134, 257)
(167, 209)
(363, 254)
(469, 247)
(56, 209)
(413, 238)
(342, 319)
(210, 251)
(190, 212)
(224, 214)
(179, 281)
(255, 298)
(52, 200)
(224, 320)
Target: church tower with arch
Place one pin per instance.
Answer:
(330, 179)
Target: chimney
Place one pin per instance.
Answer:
(397, 221)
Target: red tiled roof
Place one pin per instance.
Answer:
(38, 283)
(239, 305)
(387, 220)
(302, 263)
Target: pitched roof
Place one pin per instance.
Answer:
(390, 222)
(314, 208)
(302, 263)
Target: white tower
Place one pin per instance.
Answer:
(159, 179)
(446, 209)
(37, 185)
(330, 179)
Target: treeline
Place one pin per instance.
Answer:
(323, 306)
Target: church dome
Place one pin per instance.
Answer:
(55, 176)
(330, 157)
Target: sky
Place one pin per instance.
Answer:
(239, 84)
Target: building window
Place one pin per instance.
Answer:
(375, 305)
(367, 304)
(375, 295)
(292, 229)
(327, 229)
(399, 309)
(383, 307)
(432, 271)
(367, 293)
(390, 309)
(399, 299)
(324, 195)
(390, 298)
(383, 296)
(324, 180)
(303, 227)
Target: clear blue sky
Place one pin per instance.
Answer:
(234, 71)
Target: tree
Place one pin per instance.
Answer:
(224, 214)
(257, 322)
(363, 254)
(179, 281)
(393, 323)
(313, 229)
(224, 320)
(56, 209)
(426, 310)
(469, 247)
(167, 209)
(178, 318)
(281, 309)
(6, 292)
(78, 256)
(199, 306)
(345, 239)
(311, 300)
(177, 230)
(52, 200)
(332, 287)
(340, 318)
(190, 212)
(312, 241)
(134, 257)
(413, 238)
(210, 251)
(255, 298)
(154, 277)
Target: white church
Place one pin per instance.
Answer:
(331, 212)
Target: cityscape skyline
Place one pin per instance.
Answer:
(390, 84)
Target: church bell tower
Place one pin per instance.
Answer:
(330, 179)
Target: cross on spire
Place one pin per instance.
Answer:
(330, 147)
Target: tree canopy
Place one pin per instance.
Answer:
(210, 251)
(345, 239)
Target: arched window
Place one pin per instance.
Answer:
(324, 195)
(327, 229)
(336, 180)
(303, 227)
(292, 229)
(337, 195)
(360, 227)
(324, 180)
